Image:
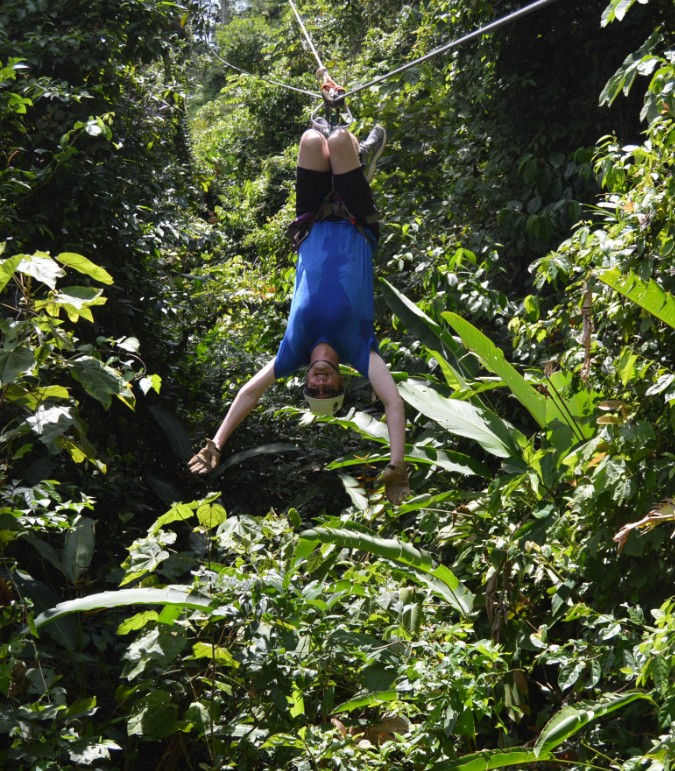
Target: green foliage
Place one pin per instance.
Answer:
(291, 618)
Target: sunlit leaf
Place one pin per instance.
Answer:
(494, 360)
(462, 419)
(122, 598)
(217, 653)
(570, 720)
(98, 379)
(647, 294)
(83, 265)
(431, 334)
(416, 563)
(7, 269)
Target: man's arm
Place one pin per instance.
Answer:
(385, 388)
(246, 399)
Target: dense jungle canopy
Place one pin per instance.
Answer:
(518, 609)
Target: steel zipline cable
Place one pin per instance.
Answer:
(470, 36)
(272, 82)
(491, 27)
(306, 34)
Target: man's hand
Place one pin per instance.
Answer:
(206, 459)
(395, 481)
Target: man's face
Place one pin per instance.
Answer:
(323, 380)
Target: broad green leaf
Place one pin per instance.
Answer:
(178, 513)
(86, 751)
(41, 267)
(491, 759)
(273, 448)
(366, 701)
(78, 548)
(355, 492)
(647, 294)
(145, 554)
(151, 382)
(388, 548)
(493, 359)
(34, 397)
(120, 599)
(8, 268)
(83, 265)
(296, 701)
(153, 717)
(13, 363)
(427, 454)
(363, 424)
(416, 563)
(79, 297)
(137, 621)
(49, 423)
(572, 719)
(430, 334)
(98, 379)
(463, 419)
(217, 653)
(574, 407)
(131, 344)
(211, 515)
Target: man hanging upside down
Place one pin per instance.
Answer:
(331, 316)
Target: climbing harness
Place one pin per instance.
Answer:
(334, 208)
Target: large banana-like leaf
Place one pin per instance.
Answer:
(375, 430)
(647, 294)
(485, 760)
(122, 598)
(417, 563)
(560, 727)
(572, 719)
(273, 448)
(492, 358)
(443, 346)
(555, 414)
(463, 419)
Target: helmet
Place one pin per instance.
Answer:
(326, 406)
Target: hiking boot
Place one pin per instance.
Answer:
(371, 149)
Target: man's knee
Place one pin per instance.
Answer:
(342, 140)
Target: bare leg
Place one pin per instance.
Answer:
(313, 153)
(343, 148)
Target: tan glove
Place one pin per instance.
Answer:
(206, 459)
(395, 481)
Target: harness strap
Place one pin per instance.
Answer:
(333, 206)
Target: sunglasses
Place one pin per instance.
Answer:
(322, 393)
